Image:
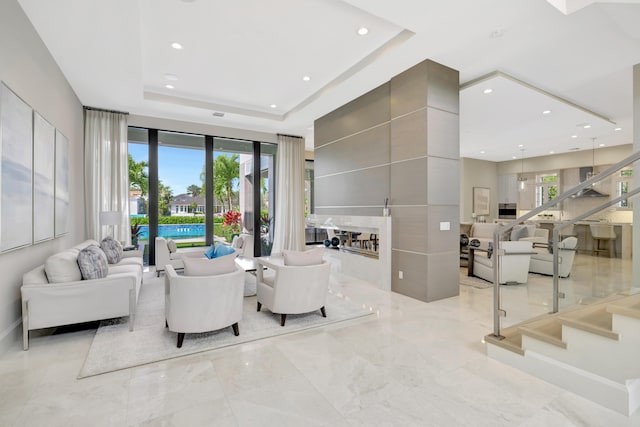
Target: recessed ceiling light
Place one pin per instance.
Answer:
(176, 45)
(487, 90)
(363, 31)
(602, 145)
(306, 78)
(520, 145)
(171, 77)
(514, 157)
(546, 112)
(169, 86)
(574, 136)
(587, 126)
(273, 106)
(481, 151)
(551, 152)
(618, 129)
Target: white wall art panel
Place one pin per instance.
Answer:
(62, 184)
(43, 178)
(16, 171)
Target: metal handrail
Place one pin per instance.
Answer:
(497, 311)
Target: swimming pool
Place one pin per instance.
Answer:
(174, 231)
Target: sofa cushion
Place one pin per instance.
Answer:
(93, 263)
(172, 246)
(297, 258)
(209, 267)
(483, 230)
(63, 267)
(112, 249)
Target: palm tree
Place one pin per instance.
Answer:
(194, 190)
(226, 172)
(165, 194)
(138, 179)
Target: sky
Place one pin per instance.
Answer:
(178, 168)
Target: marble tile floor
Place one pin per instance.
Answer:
(410, 364)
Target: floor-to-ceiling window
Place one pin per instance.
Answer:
(169, 187)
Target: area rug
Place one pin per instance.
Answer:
(473, 281)
(114, 347)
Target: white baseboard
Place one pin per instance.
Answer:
(10, 336)
(622, 398)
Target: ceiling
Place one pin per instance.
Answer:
(246, 60)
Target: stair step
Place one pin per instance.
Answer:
(629, 306)
(546, 330)
(512, 342)
(597, 322)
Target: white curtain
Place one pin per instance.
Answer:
(106, 172)
(289, 221)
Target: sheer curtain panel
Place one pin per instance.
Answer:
(289, 221)
(106, 172)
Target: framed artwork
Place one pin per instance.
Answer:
(62, 185)
(481, 201)
(16, 171)
(44, 143)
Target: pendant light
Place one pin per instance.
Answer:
(521, 178)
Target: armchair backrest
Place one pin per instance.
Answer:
(162, 252)
(203, 303)
(302, 287)
(483, 230)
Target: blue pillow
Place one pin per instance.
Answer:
(210, 253)
(222, 250)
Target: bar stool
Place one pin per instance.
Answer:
(601, 232)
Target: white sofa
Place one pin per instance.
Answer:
(514, 264)
(483, 232)
(54, 294)
(166, 257)
(542, 262)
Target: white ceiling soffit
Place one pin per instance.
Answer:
(570, 6)
(494, 125)
(264, 50)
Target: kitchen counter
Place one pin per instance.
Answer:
(586, 243)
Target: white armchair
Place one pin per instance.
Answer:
(542, 262)
(292, 289)
(164, 256)
(196, 304)
(514, 263)
(243, 244)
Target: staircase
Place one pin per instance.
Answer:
(592, 350)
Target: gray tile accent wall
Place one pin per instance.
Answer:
(364, 149)
(409, 136)
(369, 110)
(401, 141)
(443, 181)
(443, 133)
(359, 188)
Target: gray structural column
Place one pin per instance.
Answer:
(636, 177)
(400, 141)
(425, 181)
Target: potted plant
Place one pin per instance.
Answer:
(232, 220)
(135, 233)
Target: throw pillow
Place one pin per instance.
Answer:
(296, 258)
(63, 267)
(93, 263)
(172, 246)
(209, 253)
(205, 267)
(221, 250)
(112, 249)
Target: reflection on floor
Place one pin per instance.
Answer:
(412, 364)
